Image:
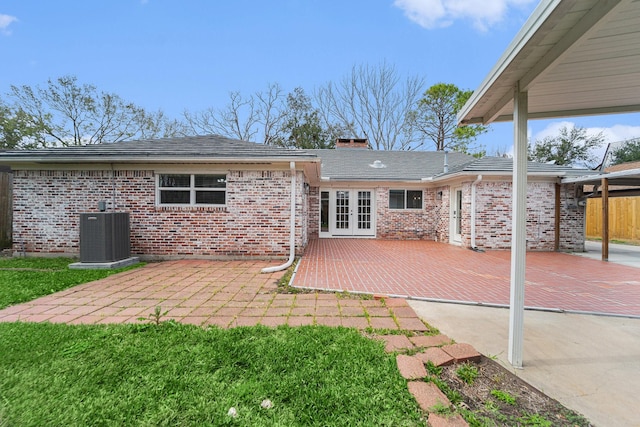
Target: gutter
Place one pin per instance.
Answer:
(473, 212)
(292, 226)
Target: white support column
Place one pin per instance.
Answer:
(518, 228)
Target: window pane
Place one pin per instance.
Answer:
(174, 197)
(175, 181)
(211, 181)
(210, 197)
(396, 199)
(414, 199)
(324, 211)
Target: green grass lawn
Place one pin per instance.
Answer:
(24, 279)
(172, 374)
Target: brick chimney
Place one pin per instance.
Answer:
(352, 143)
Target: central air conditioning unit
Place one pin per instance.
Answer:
(104, 237)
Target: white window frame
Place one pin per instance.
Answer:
(192, 189)
(405, 208)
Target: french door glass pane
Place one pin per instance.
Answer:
(342, 210)
(364, 210)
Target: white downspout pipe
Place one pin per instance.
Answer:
(473, 211)
(292, 226)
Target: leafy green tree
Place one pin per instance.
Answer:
(572, 146)
(303, 127)
(627, 152)
(17, 130)
(65, 113)
(435, 119)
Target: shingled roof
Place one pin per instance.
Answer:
(370, 165)
(345, 164)
(184, 149)
(505, 166)
(357, 164)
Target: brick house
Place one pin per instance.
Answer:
(214, 197)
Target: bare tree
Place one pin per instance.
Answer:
(238, 119)
(257, 117)
(69, 113)
(373, 102)
(271, 111)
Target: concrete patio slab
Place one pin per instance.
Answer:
(590, 364)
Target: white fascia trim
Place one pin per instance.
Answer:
(535, 21)
(599, 176)
(497, 173)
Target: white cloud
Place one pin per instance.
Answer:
(5, 21)
(441, 13)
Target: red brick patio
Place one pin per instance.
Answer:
(438, 271)
(222, 293)
(235, 293)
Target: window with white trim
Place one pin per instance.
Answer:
(405, 199)
(192, 189)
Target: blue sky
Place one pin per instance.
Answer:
(177, 55)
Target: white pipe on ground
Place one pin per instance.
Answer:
(292, 226)
(473, 211)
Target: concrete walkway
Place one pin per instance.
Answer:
(590, 364)
(628, 255)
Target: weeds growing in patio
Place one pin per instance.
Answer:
(173, 374)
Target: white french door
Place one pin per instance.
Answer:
(347, 212)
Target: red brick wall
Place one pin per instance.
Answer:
(410, 224)
(314, 212)
(255, 222)
(493, 217)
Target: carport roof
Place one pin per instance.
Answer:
(573, 57)
(629, 177)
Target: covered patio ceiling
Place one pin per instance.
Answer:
(571, 58)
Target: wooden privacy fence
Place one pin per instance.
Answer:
(624, 218)
(6, 213)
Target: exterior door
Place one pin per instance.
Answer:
(456, 216)
(347, 212)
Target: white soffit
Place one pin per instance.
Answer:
(573, 57)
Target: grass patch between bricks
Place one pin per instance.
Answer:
(174, 374)
(25, 279)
